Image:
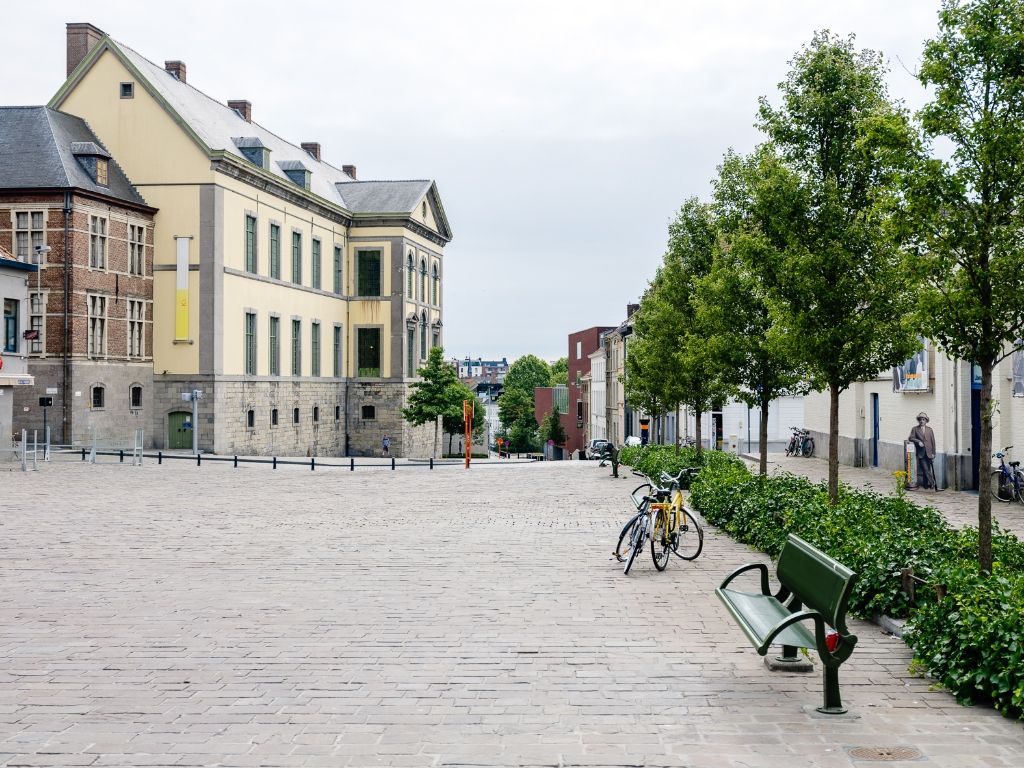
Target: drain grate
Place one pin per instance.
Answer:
(885, 754)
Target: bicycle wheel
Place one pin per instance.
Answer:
(636, 538)
(625, 542)
(660, 544)
(1019, 490)
(689, 541)
(809, 447)
(1002, 486)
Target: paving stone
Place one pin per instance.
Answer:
(182, 615)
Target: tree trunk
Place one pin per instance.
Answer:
(679, 424)
(985, 479)
(450, 438)
(833, 445)
(762, 436)
(696, 428)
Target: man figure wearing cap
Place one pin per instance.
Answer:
(923, 437)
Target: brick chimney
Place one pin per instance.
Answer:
(176, 68)
(312, 147)
(350, 171)
(242, 107)
(82, 36)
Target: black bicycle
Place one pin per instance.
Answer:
(1007, 481)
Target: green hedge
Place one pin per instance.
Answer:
(971, 641)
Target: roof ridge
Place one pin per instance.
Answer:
(221, 104)
(52, 143)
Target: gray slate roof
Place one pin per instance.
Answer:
(220, 128)
(382, 196)
(36, 153)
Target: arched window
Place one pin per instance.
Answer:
(99, 397)
(273, 417)
(423, 279)
(423, 336)
(250, 419)
(410, 269)
(435, 287)
(316, 414)
(295, 415)
(135, 396)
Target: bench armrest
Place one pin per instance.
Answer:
(765, 589)
(830, 658)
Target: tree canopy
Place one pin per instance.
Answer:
(437, 393)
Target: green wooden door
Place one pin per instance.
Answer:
(177, 435)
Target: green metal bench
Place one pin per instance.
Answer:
(813, 587)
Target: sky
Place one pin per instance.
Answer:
(563, 135)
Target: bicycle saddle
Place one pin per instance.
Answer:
(1014, 463)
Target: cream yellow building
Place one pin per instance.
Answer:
(297, 298)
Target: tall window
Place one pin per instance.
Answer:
(314, 349)
(275, 251)
(97, 326)
(435, 339)
(423, 336)
(135, 396)
(29, 232)
(337, 352)
(435, 287)
(423, 280)
(136, 249)
(297, 258)
(296, 347)
(368, 273)
(10, 325)
(337, 270)
(136, 328)
(250, 343)
(410, 346)
(368, 351)
(410, 277)
(275, 346)
(101, 172)
(97, 242)
(99, 397)
(250, 244)
(37, 322)
(315, 266)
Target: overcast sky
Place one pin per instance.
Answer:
(563, 136)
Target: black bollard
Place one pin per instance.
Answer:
(431, 462)
(236, 462)
(121, 456)
(392, 463)
(199, 459)
(275, 463)
(312, 464)
(352, 464)
(159, 457)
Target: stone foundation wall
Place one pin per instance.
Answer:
(114, 423)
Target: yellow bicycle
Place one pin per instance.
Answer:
(663, 518)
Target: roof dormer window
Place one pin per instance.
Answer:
(296, 171)
(93, 159)
(252, 149)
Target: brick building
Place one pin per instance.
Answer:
(89, 335)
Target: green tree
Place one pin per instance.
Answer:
(438, 393)
(968, 213)
(515, 409)
(528, 372)
(552, 429)
(669, 363)
(747, 341)
(839, 285)
(560, 371)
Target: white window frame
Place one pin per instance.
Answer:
(26, 238)
(99, 227)
(97, 323)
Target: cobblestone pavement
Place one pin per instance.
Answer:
(959, 507)
(191, 616)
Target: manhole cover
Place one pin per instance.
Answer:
(885, 753)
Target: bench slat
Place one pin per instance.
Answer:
(757, 615)
(820, 582)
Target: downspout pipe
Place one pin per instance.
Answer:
(66, 356)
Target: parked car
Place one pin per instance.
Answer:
(596, 448)
(633, 440)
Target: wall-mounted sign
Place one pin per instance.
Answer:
(912, 374)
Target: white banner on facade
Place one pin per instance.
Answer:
(181, 290)
(912, 375)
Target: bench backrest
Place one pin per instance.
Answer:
(818, 581)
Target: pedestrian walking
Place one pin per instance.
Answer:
(385, 446)
(923, 438)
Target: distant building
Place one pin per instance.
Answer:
(470, 368)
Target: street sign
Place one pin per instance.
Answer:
(45, 402)
(52, 390)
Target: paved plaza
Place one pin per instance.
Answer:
(186, 616)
